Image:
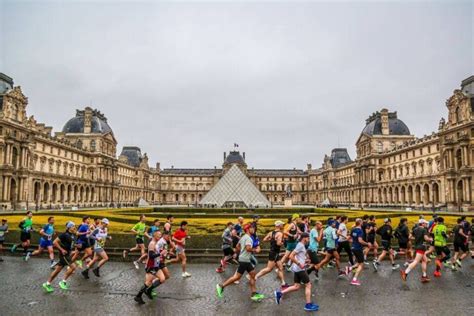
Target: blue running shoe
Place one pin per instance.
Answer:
(278, 296)
(311, 307)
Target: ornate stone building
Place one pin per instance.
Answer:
(79, 167)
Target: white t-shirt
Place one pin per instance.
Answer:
(343, 230)
(300, 256)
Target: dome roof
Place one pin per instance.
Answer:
(339, 157)
(395, 125)
(99, 123)
(133, 154)
(234, 157)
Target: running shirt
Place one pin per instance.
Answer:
(385, 232)
(419, 233)
(99, 235)
(440, 233)
(343, 229)
(371, 234)
(152, 230)
(313, 240)
(402, 234)
(3, 229)
(48, 229)
(331, 237)
(273, 243)
(356, 233)
(66, 241)
(27, 225)
(244, 255)
(365, 225)
(238, 229)
(178, 235)
(83, 228)
(458, 238)
(293, 233)
(140, 229)
(227, 238)
(300, 256)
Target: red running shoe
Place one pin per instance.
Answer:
(437, 274)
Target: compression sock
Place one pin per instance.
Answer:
(142, 290)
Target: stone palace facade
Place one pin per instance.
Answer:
(79, 166)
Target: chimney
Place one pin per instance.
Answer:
(244, 155)
(87, 120)
(158, 166)
(309, 166)
(225, 155)
(384, 119)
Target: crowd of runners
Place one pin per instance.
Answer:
(300, 246)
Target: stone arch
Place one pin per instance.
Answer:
(396, 196)
(402, 195)
(15, 158)
(459, 192)
(46, 192)
(62, 193)
(426, 194)
(417, 194)
(54, 193)
(458, 159)
(13, 193)
(410, 194)
(435, 191)
(37, 192)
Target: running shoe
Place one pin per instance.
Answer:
(223, 263)
(278, 296)
(219, 291)
(341, 273)
(257, 297)
(85, 274)
(48, 288)
(403, 275)
(13, 248)
(425, 279)
(355, 282)
(454, 268)
(153, 293)
(186, 275)
(96, 272)
(310, 307)
(136, 265)
(437, 274)
(148, 294)
(406, 264)
(432, 256)
(28, 255)
(375, 265)
(285, 286)
(124, 254)
(219, 270)
(366, 263)
(139, 300)
(63, 285)
(348, 270)
(458, 262)
(79, 263)
(395, 253)
(446, 264)
(237, 282)
(395, 266)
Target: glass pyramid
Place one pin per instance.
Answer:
(234, 188)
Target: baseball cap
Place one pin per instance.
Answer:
(279, 223)
(304, 235)
(331, 221)
(386, 220)
(247, 227)
(70, 224)
(422, 221)
(295, 216)
(105, 221)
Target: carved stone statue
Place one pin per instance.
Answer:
(288, 192)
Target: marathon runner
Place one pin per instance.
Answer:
(440, 233)
(331, 237)
(291, 234)
(46, 242)
(227, 248)
(26, 226)
(421, 236)
(99, 235)
(179, 239)
(139, 231)
(64, 243)
(372, 244)
(386, 234)
(3, 232)
(461, 240)
(298, 258)
(343, 239)
(83, 242)
(245, 249)
(358, 244)
(402, 233)
(315, 237)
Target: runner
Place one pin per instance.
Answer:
(99, 235)
(26, 226)
(298, 258)
(239, 227)
(431, 225)
(315, 237)
(46, 242)
(440, 233)
(149, 234)
(156, 271)
(372, 244)
(460, 243)
(331, 237)
(245, 250)
(168, 224)
(139, 231)
(276, 241)
(226, 247)
(358, 244)
(386, 234)
(64, 243)
(420, 234)
(291, 234)
(343, 239)
(179, 239)
(3, 232)
(83, 242)
(402, 233)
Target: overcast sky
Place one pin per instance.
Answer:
(287, 81)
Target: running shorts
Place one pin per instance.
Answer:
(139, 241)
(44, 243)
(98, 250)
(313, 256)
(64, 260)
(359, 255)
(245, 267)
(386, 245)
(420, 251)
(228, 252)
(291, 245)
(152, 270)
(301, 277)
(179, 250)
(402, 245)
(83, 244)
(458, 246)
(371, 238)
(274, 256)
(441, 250)
(25, 236)
(330, 250)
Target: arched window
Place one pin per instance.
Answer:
(458, 115)
(93, 145)
(379, 147)
(14, 112)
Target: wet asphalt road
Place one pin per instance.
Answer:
(381, 293)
